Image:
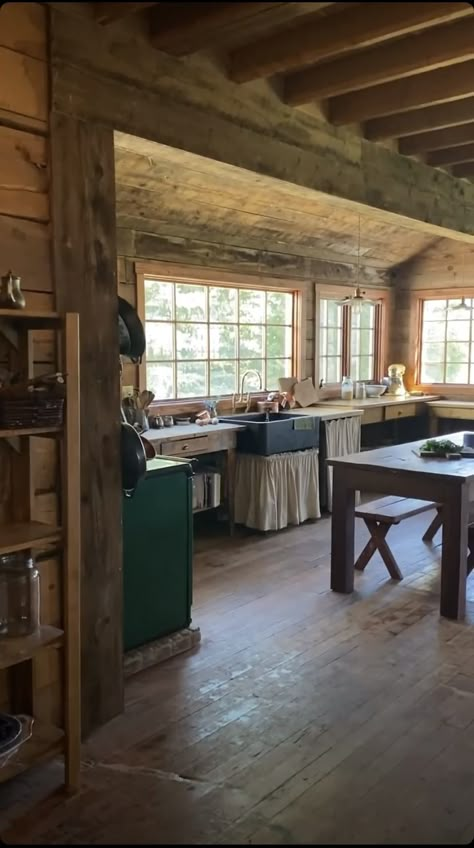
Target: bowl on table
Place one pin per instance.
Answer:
(375, 391)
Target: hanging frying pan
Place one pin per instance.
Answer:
(131, 332)
(133, 459)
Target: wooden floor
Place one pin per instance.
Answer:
(305, 717)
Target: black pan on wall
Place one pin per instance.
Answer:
(131, 332)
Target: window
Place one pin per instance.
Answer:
(447, 341)
(349, 340)
(202, 338)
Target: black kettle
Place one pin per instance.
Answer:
(133, 459)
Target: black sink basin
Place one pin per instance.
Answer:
(275, 432)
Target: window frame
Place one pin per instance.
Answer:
(175, 273)
(338, 292)
(418, 299)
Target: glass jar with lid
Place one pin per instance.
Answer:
(19, 595)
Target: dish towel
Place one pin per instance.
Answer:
(272, 492)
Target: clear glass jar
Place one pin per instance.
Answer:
(347, 389)
(19, 595)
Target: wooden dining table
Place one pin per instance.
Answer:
(399, 470)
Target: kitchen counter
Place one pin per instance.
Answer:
(328, 412)
(188, 431)
(459, 410)
(385, 400)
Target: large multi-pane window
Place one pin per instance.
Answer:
(201, 339)
(447, 341)
(347, 340)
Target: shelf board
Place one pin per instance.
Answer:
(13, 651)
(46, 742)
(30, 431)
(21, 537)
(32, 319)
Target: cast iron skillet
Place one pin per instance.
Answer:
(133, 459)
(131, 332)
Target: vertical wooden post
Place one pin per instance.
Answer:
(71, 512)
(85, 267)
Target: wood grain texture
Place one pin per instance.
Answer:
(25, 248)
(422, 89)
(27, 89)
(262, 734)
(424, 51)
(437, 139)
(23, 175)
(419, 120)
(133, 84)
(85, 270)
(23, 29)
(314, 40)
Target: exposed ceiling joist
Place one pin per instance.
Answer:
(452, 155)
(419, 90)
(315, 39)
(107, 13)
(427, 50)
(437, 140)
(420, 120)
(466, 169)
(183, 28)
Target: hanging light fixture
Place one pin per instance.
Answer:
(356, 300)
(466, 307)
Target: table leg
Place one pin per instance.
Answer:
(454, 554)
(230, 487)
(342, 534)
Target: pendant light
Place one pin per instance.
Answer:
(356, 300)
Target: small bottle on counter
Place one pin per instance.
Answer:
(347, 389)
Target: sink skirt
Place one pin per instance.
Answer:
(272, 492)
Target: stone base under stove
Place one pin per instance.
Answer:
(160, 650)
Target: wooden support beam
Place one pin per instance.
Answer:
(420, 120)
(465, 169)
(437, 140)
(189, 26)
(431, 49)
(419, 90)
(452, 155)
(107, 13)
(316, 39)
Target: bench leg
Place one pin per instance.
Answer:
(377, 541)
(434, 526)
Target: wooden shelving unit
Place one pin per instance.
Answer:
(23, 533)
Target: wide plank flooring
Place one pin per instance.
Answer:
(304, 717)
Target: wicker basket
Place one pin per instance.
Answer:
(31, 409)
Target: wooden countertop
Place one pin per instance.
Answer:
(452, 404)
(188, 431)
(327, 411)
(385, 400)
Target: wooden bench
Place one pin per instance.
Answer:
(379, 517)
(437, 523)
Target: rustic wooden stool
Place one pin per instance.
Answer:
(379, 517)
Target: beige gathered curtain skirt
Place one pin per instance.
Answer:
(342, 438)
(272, 492)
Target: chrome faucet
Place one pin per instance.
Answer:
(243, 381)
(239, 402)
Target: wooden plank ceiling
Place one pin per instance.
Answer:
(400, 71)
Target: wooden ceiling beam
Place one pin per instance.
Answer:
(182, 28)
(437, 140)
(465, 169)
(318, 38)
(107, 13)
(434, 48)
(451, 155)
(401, 95)
(420, 120)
